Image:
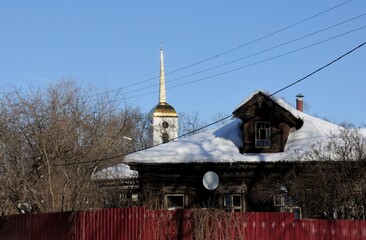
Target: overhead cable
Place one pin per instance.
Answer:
(280, 90)
(232, 49)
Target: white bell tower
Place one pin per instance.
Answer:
(163, 117)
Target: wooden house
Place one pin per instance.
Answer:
(263, 138)
(227, 167)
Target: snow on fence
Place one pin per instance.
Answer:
(139, 223)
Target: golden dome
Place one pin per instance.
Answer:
(163, 110)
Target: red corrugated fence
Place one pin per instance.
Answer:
(139, 223)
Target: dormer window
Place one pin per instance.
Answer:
(262, 134)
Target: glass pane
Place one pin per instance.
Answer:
(175, 201)
(236, 201)
(297, 213)
(262, 134)
(227, 201)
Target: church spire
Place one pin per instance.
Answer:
(162, 94)
(163, 117)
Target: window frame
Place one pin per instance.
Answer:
(262, 127)
(232, 207)
(167, 202)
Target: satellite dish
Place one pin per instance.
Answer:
(210, 180)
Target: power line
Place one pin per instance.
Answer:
(319, 69)
(261, 38)
(254, 54)
(271, 95)
(249, 65)
(289, 85)
(233, 49)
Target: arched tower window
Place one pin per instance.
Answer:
(165, 137)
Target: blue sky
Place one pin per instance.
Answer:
(113, 44)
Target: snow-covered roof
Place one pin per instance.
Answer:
(221, 145)
(119, 171)
(279, 101)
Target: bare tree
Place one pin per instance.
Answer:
(339, 177)
(53, 140)
(220, 118)
(327, 182)
(189, 124)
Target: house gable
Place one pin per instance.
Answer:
(266, 124)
